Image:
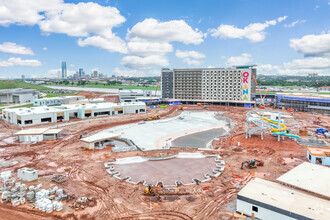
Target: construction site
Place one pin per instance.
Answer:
(170, 162)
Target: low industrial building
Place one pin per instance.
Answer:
(27, 174)
(98, 140)
(34, 115)
(126, 95)
(319, 155)
(38, 134)
(18, 95)
(302, 193)
(40, 115)
(57, 100)
(304, 103)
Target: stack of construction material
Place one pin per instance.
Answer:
(15, 194)
(46, 200)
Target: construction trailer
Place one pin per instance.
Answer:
(302, 193)
(319, 155)
(38, 134)
(27, 174)
(98, 141)
(18, 95)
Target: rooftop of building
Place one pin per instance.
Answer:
(99, 105)
(308, 176)
(38, 131)
(32, 110)
(61, 97)
(99, 137)
(304, 95)
(16, 90)
(319, 151)
(286, 198)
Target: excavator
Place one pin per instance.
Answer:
(151, 191)
(253, 164)
(154, 117)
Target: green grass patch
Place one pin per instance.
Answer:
(11, 84)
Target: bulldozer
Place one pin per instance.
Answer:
(252, 164)
(154, 117)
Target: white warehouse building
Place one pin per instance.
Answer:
(40, 115)
(18, 95)
(301, 193)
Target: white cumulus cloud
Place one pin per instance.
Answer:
(312, 45)
(294, 23)
(90, 21)
(192, 54)
(309, 63)
(136, 73)
(150, 40)
(243, 59)
(255, 32)
(13, 48)
(136, 62)
(190, 57)
(169, 31)
(111, 44)
(16, 61)
(23, 12)
(147, 48)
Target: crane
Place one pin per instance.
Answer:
(157, 85)
(262, 105)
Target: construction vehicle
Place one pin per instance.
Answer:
(162, 191)
(151, 191)
(180, 107)
(154, 117)
(252, 164)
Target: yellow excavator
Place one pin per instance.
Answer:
(154, 117)
(151, 191)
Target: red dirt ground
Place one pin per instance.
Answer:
(120, 200)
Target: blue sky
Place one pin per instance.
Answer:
(139, 37)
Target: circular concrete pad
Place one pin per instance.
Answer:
(168, 171)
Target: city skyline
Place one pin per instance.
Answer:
(138, 39)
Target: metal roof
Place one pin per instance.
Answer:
(33, 131)
(285, 198)
(308, 176)
(38, 131)
(99, 137)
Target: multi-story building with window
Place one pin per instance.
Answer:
(215, 85)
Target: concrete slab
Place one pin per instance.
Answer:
(180, 168)
(158, 134)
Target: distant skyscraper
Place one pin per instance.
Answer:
(64, 73)
(81, 72)
(23, 78)
(95, 74)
